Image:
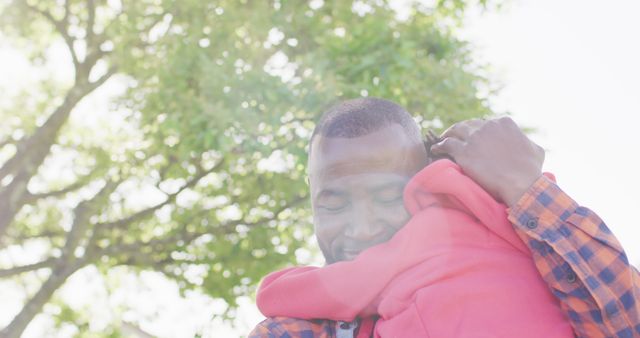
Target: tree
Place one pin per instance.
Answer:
(219, 100)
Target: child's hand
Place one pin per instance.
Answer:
(430, 139)
(496, 154)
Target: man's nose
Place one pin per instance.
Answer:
(363, 223)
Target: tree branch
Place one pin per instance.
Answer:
(110, 72)
(67, 11)
(162, 172)
(6, 142)
(158, 244)
(47, 263)
(101, 37)
(91, 9)
(81, 215)
(135, 331)
(142, 214)
(230, 227)
(20, 238)
(135, 217)
(61, 28)
(31, 152)
(30, 198)
(60, 272)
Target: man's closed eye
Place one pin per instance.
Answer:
(333, 202)
(389, 195)
(334, 208)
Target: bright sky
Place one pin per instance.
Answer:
(569, 68)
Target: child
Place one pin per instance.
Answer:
(456, 269)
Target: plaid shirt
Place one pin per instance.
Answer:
(576, 254)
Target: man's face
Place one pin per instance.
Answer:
(356, 189)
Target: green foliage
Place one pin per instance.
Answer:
(220, 100)
(64, 315)
(218, 97)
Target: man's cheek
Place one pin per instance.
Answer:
(326, 235)
(328, 245)
(329, 233)
(327, 226)
(397, 217)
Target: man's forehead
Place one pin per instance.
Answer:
(370, 182)
(354, 167)
(387, 139)
(386, 150)
(356, 150)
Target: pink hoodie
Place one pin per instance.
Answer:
(456, 269)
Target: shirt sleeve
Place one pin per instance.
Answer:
(283, 327)
(580, 259)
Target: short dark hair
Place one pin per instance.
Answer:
(362, 116)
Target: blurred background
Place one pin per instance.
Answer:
(153, 153)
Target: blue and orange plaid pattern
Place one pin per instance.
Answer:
(283, 327)
(580, 259)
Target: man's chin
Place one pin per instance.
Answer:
(342, 256)
(337, 257)
(329, 257)
(349, 256)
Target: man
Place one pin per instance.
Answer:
(364, 151)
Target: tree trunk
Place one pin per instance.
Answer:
(34, 305)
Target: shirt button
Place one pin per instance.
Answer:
(571, 277)
(532, 223)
